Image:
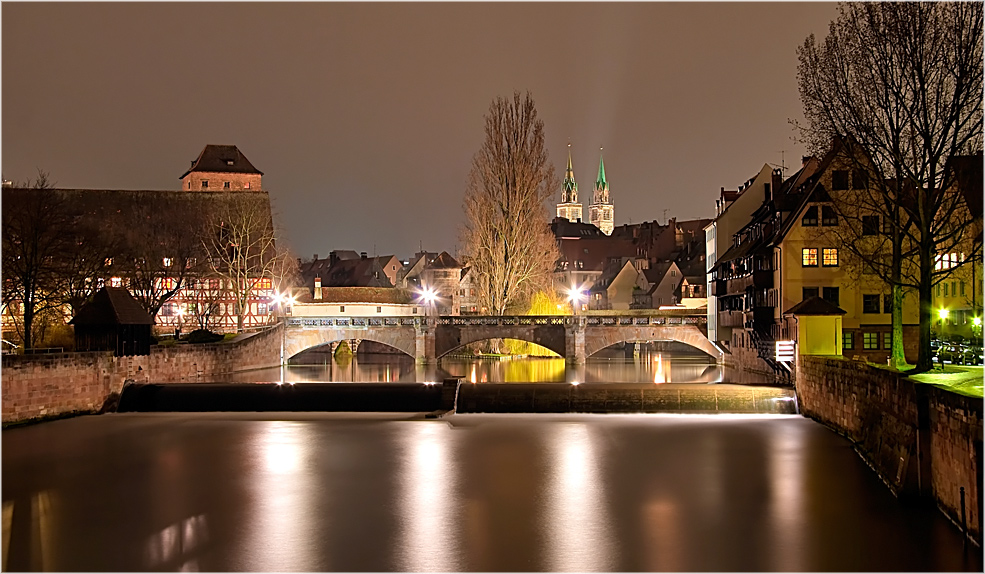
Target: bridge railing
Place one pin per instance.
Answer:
(494, 321)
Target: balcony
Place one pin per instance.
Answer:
(762, 279)
(730, 318)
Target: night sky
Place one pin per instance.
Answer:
(364, 117)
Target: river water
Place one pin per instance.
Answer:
(384, 492)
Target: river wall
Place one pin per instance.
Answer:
(924, 442)
(46, 386)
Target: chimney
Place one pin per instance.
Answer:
(193, 164)
(317, 288)
(362, 255)
(777, 181)
(333, 258)
(315, 257)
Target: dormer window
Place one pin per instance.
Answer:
(229, 162)
(810, 217)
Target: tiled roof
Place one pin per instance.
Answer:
(222, 159)
(112, 306)
(815, 306)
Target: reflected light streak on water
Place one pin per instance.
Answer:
(282, 529)
(786, 475)
(661, 525)
(427, 539)
(579, 537)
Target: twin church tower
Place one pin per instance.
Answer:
(599, 212)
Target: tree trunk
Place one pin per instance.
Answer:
(924, 357)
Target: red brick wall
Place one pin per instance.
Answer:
(38, 386)
(890, 418)
(237, 181)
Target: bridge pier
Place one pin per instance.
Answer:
(574, 341)
(424, 350)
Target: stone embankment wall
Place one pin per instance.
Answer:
(922, 441)
(42, 386)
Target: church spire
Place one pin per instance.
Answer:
(601, 209)
(600, 183)
(569, 189)
(569, 208)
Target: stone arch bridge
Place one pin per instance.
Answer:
(428, 339)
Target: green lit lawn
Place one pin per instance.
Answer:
(956, 378)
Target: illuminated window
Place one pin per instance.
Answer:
(810, 257)
(887, 340)
(261, 308)
(847, 339)
(167, 262)
(115, 282)
(829, 257)
(108, 262)
(870, 341)
(264, 283)
(214, 284)
(246, 185)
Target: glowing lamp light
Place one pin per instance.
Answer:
(575, 294)
(977, 321)
(942, 314)
(575, 383)
(428, 295)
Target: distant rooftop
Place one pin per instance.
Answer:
(221, 159)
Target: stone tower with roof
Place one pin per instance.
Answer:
(569, 208)
(221, 168)
(601, 210)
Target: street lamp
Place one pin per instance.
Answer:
(428, 296)
(942, 313)
(575, 295)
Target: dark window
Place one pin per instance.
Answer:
(341, 308)
(379, 309)
(870, 341)
(847, 340)
(839, 179)
(860, 179)
(870, 303)
(810, 217)
(962, 287)
(828, 216)
(870, 225)
(887, 303)
(811, 292)
(225, 185)
(887, 340)
(205, 184)
(830, 294)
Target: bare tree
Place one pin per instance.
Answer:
(160, 249)
(35, 218)
(242, 250)
(506, 238)
(904, 82)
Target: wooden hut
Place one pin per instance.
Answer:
(113, 321)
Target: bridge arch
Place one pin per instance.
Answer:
(598, 338)
(299, 340)
(451, 337)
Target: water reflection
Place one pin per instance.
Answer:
(427, 539)
(577, 516)
(606, 367)
(283, 522)
(786, 475)
(173, 546)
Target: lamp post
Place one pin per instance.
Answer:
(575, 295)
(428, 297)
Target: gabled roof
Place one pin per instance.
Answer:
(444, 261)
(222, 159)
(563, 228)
(656, 272)
(815, 306)
(112, 306)
(367, 272)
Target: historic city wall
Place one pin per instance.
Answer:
(44, 386)
(920, 439)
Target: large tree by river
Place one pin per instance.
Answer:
(903, 80)
(506, 239)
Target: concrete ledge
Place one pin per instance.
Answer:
(622, 398)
